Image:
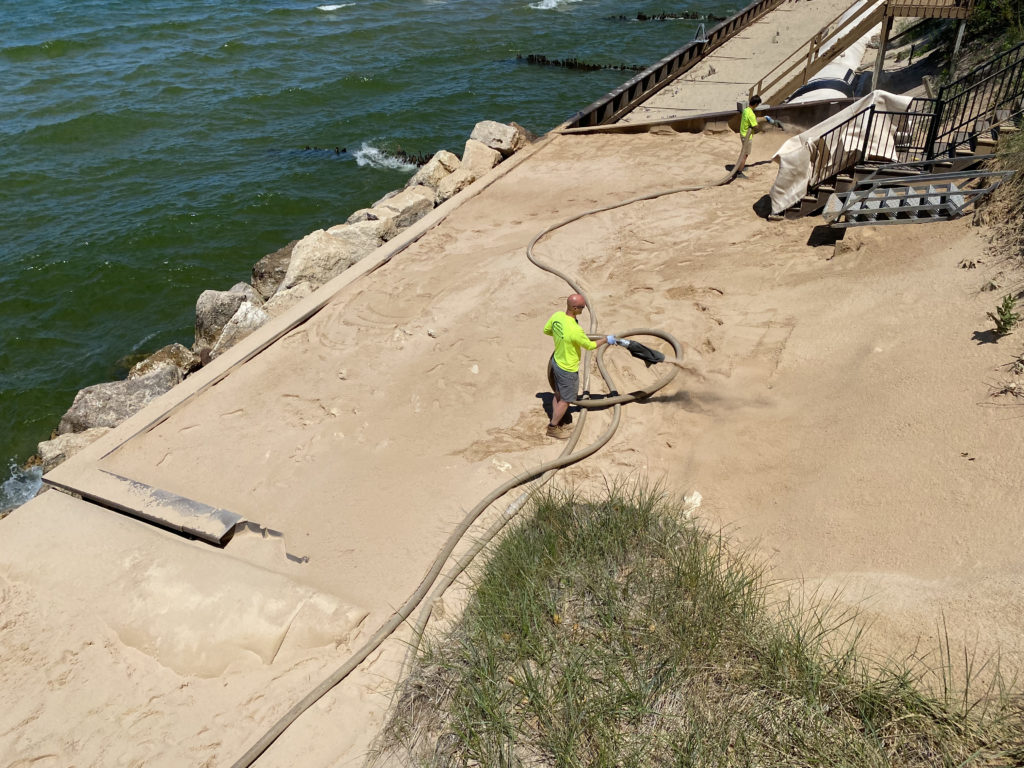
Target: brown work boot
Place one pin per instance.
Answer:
(561, 432)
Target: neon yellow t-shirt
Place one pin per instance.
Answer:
(569, 337)
(747, 122)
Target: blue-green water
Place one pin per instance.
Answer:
(154, 149)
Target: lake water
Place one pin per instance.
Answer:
(155, 149)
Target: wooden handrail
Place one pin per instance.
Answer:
(808, 53)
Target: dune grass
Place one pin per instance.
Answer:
(1011, 194)
(616, 632)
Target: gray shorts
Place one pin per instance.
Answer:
(565, 383)
(746, 144)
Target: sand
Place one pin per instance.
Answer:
(843, 425)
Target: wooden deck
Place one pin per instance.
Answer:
(930, 9)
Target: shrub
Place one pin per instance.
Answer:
(1004, 317)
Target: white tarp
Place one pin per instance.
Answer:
(846, 63)
(801, 153)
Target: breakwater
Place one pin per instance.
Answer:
(154, 152)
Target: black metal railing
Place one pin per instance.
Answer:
(989, 94)
(841, 148)
(904, 135)
(873, 134)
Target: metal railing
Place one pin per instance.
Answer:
(989, 94)
(874, 134)
(841, 148)
(620, 101)
(894, 198)
(905, 134)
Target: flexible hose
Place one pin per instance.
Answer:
(542, 471)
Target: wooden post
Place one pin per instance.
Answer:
(956, 45)
(883, 42)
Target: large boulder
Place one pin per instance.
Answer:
(507, 139)
(409, 206)
(385, 221)
(454, 183)
(478, 158)
(440, 165)
(247, 319)
(322, 255)
(213, 311)
(370, 214)
(107, 405)
(287, 298)
(250, 293)
(63, 447)
(176, 355)
(381, 226)
(269, 272)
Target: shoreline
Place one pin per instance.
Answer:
(358, 429)
(438, 178)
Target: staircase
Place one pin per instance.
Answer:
(817, 198)
(835, 37)
(951, 133)
(924, 198)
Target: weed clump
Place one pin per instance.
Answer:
(1005, 317)
(617, 632)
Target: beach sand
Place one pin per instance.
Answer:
(842, 425)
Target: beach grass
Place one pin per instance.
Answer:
(615, 631)
(1010, 155)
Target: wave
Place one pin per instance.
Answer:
(51, 49)
(550, 5)
(336, 7)
(21, 486)
(378, 158)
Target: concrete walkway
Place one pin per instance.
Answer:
(724, 76)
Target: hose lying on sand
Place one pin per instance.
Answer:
(540, 473)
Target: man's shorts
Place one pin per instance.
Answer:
(747, 144)
(565, 383)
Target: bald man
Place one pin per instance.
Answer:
(564, 366)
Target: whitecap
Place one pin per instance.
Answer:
(21, 486)
(550, 5)
(333, 7)
(375, 158)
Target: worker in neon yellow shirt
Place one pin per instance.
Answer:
(564, 366)
(748, 127)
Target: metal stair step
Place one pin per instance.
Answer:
(955, 199)
(911, 201)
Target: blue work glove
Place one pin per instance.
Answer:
(622, 342)
(769, 120)
(611, 339)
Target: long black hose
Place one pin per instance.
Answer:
(542, 471)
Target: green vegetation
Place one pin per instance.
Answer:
(1003, 19)
(1011, 194)
(1004, 317)
(616, 632)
